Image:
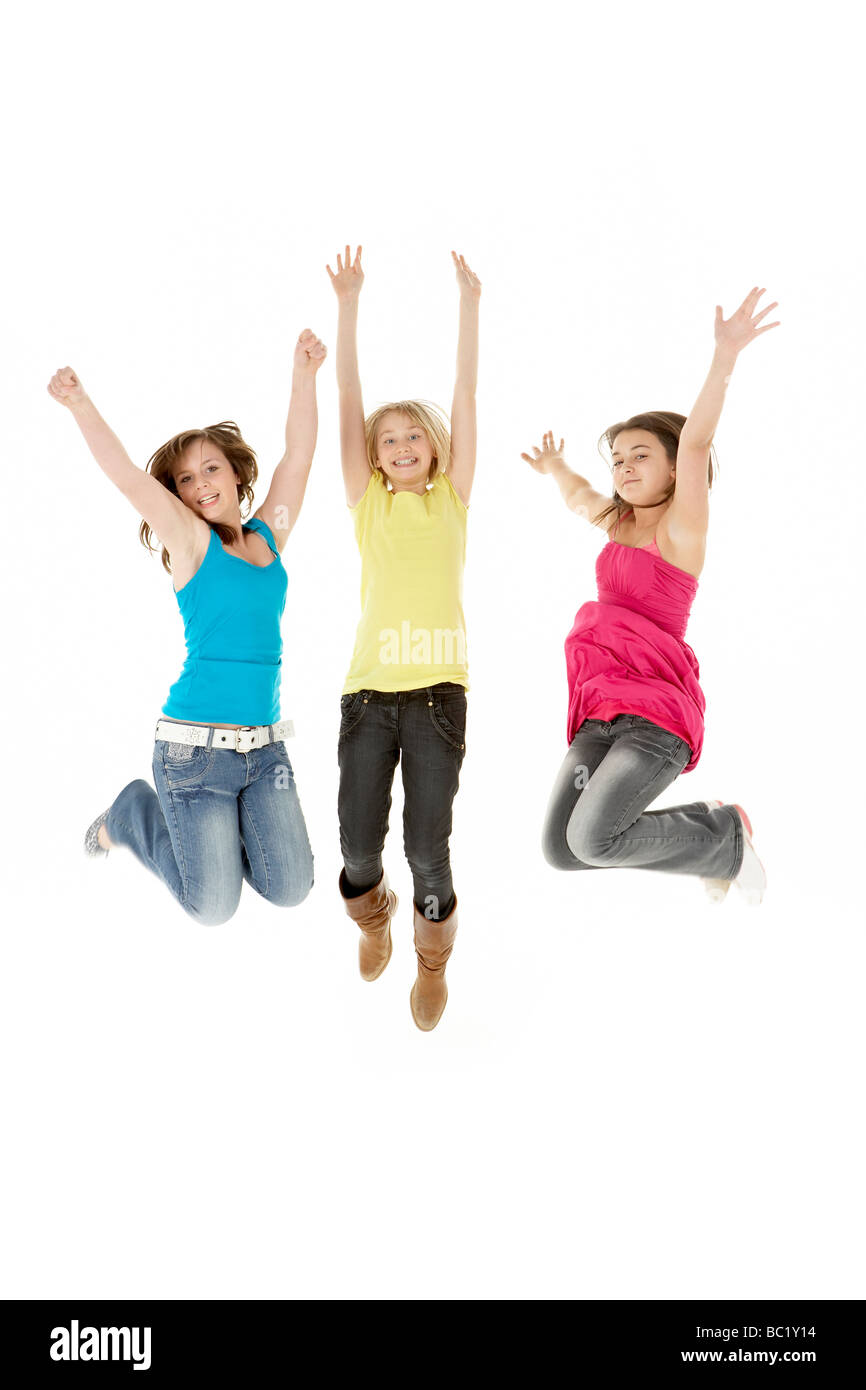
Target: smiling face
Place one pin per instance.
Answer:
(207, 483)
(642, 471)
(403, 451)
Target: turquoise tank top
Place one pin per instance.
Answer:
(231, 614)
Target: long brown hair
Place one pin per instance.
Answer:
(229, 439)
(667, 426)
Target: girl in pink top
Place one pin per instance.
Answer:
(635, 705)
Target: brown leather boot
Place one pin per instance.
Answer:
(373, 912)
(433, 945)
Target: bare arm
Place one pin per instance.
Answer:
(577, 494)
(464, 432)
(282, 505)
(174, 523)
(353, 446)
(688, 515)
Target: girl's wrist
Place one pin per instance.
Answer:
(724, 358)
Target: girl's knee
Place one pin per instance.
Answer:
(291, 890)
(212, 902)
(556, 845)
(211, 914)
(559, 854)
(553, 846)
(587, 845)
(292, 896)
(429, 868)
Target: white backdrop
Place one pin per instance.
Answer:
(631, 1094)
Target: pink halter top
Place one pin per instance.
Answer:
(627, 654)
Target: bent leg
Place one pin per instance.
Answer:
(186, 833)
(277, 858)
(136, 820)
(586, 751)
(610, 828)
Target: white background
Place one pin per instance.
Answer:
(632, 1094)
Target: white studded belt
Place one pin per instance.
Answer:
(235, 740)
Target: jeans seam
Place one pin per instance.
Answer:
(264, 858)
(181, 864)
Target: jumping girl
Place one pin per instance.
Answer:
(407, 485)
(636, 710)
(225, 806)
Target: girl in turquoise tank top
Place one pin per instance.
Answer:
(225, 807)
(407, 484)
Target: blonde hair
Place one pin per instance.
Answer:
(423, 413)
(229, 439)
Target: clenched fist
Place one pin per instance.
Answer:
(65, 387)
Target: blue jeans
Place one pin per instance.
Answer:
(427, 728)
(596, 817)
(218, 817)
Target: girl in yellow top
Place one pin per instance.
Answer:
(407, 484)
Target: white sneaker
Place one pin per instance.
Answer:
(752, 878)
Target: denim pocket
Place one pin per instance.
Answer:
(184, 762)
(352, 710)
(448, 714)
(662, 739)
(179, 752)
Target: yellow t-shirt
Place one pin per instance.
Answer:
(413, 549)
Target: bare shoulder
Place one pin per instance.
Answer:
(685, 549)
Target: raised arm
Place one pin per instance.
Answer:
(463, 416)
(688, 515)
(175, 524)
(577, 494)
(353, 447)
(282, 505)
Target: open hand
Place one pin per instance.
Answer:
(349, 277)
(547, 455)
(733, 334)
(310, 351)
(470, 285)
(65, 387)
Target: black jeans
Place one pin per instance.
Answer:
(427, 728)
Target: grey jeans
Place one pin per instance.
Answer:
(597, 819)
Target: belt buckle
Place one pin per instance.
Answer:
(248, 731)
